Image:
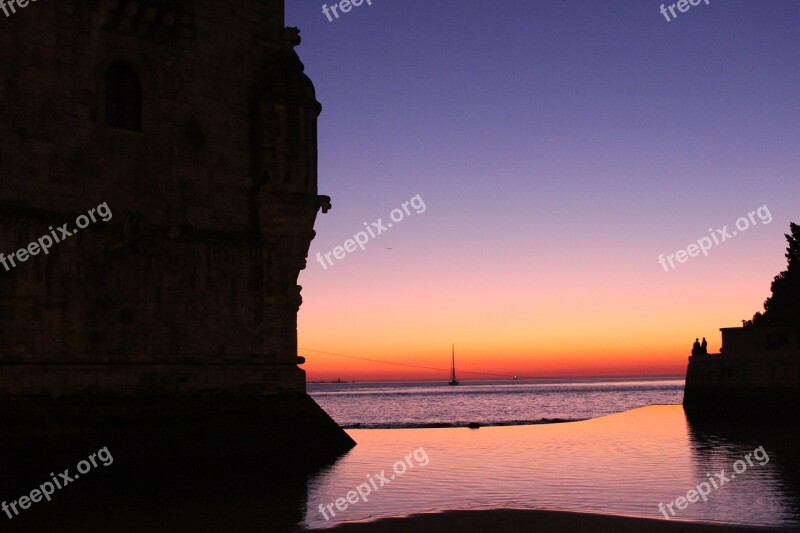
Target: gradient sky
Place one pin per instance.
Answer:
(559, 148)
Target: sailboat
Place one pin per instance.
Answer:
(453, 380)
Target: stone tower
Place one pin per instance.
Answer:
(194, 124)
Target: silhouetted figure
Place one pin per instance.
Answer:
(704, 347)
(696, 347)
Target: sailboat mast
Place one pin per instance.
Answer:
(453, 363)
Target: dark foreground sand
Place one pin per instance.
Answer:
(509, 520)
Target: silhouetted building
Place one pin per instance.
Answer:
(756, 373)
(194, 124)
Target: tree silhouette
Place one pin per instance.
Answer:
(783, 307)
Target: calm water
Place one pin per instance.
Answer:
(625, 463)
(388, 405)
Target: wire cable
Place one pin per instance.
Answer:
(444, 370)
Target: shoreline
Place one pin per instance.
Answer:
(515, 520)
(542, 421)
(475, 425)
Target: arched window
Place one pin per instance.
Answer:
(123, 97)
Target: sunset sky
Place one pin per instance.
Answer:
(559, 149)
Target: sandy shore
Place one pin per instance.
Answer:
(509, 520)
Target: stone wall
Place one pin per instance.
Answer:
(755, 377)
(752, 339)
(213, 201)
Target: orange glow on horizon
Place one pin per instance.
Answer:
(556, 315)
(478, 365)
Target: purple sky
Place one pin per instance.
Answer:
(567, 142)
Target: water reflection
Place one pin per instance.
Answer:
(625, 464)
(736, 452)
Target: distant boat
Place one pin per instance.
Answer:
(453, 380)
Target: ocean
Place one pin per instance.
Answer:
(488, 403)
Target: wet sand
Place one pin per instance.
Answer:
(511, 520)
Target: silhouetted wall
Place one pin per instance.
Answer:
(756, 375)
(194, 123)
